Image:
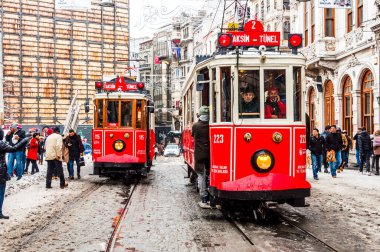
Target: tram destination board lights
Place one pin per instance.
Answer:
(225, 40)
(294, 42)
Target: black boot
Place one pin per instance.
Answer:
(4, 217)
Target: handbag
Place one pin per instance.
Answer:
(330, 156)
(81, 161)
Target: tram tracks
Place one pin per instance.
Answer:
(249, 233)
(117, 228)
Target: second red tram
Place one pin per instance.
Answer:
(255, 156)
(123, 138)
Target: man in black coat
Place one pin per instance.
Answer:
(14, 136)
(74, 144)
(4, 176)
(200, 132)
(365, 150)
(334, 142)
(357, 153)
(249, 103)
(316, 145)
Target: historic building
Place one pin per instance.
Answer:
(342, 64)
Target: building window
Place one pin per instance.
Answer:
(329, 103)
(268, 27)
(186, 33)
(286, 29)
(329, 23)
(367, 101)
(286, 5)
(257, 11)
(349, 20)
(268, 6)
(262, 10)
(248, 16)
(306, 19)
(347, 105)
(312, 20)
(275, 5)
(359, 11)
(312, 109)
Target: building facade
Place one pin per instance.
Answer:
(342, 64)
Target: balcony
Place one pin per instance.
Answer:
(145, 67)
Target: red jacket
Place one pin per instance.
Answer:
(269, 110)
(33, 149)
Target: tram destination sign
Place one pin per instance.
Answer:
(254, 35)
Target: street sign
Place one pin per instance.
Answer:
(253, 35)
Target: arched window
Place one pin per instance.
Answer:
(329, 103)
(312, 109)
(347, 106)
(367, 101)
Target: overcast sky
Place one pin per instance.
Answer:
(149, 15)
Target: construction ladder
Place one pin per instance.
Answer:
(72, 118)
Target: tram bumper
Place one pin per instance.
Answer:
(270, 187)
(116, 164)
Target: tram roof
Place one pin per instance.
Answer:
(121, 95)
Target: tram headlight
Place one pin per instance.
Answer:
(119, 145)
(262, 161)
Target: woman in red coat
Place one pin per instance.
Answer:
(33, 154)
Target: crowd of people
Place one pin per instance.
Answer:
(23, 148)
(331, 150)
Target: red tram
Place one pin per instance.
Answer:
(123, 138)
(255, 157)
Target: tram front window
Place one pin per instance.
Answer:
(138, 114)
(112, 113)
(99, 109)
(275, 94)
(249, 88)
(126, 114)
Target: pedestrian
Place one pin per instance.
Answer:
(32, 156)
(347, 149)
(333, 148)
(74, 144)
(53, 146)
(324, 135)
(365, 150)
(13, 136)
(200, 132)
(4, 176)
(316, 145)
(376, 150)
(357, 154)
(343, 150)
(41, 149)
(65, 153)
(155, 151)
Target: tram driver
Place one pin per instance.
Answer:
(249, 107)
(274, 107)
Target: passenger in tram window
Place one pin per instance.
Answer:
(126, 115)
(274, 107)
(249, 106)
(200, 132)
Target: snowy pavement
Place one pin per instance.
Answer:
(163, 215)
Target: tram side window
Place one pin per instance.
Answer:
(275, 94)
(249, 91)
(138, 114)
(297, 92)
(226, 95)
(99, 109)
(112, 113)
(126, 114)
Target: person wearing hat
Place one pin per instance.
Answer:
(53, 147)
(249, 103)
(4, 176)
(274, 107)
(200, 132)
(13, 136)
